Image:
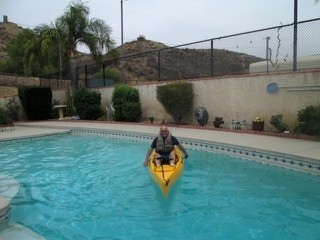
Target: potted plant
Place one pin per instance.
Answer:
(151, 119)
(258, 124)
(218, 122)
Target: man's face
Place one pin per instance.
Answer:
(164, 131)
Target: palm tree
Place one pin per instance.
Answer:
(77, 29)
(47, 39)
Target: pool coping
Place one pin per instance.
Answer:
(118, 131)
(284, 160)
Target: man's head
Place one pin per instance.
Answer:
(164, 131)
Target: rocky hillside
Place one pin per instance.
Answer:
(179, 63)
(8, 31)
(175, 63)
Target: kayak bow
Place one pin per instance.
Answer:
(165, 175)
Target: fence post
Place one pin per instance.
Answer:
(86, 74)
(104, 74)
(211, 57)
(295, 35)
(267, 53)
(159, 65)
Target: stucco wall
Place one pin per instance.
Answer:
(245, 98)
(239, 98)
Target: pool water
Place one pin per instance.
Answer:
(92, 187)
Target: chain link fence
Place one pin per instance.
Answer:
(260, 51)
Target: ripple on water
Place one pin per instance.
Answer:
(90, 187)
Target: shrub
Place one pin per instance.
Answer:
(88, 104)
(309, 120)
(12, 109)
(5, 117)
(294, 127)
(177, 99)
(277, 122)
(132, 111)
(126, 104)
(36, 101)
(141, 38)
(110, 73)
(2, 113)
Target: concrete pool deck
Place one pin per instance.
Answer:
(290, 146)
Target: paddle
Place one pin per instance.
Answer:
(162, 171)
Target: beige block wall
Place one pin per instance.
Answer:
(239, 98)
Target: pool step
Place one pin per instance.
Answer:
(18, 232)
(9, 188)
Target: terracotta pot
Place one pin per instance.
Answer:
(257, 126)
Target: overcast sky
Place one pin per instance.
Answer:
(171, 22)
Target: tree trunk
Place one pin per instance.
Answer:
(74, 77)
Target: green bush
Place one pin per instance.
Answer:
(36, 101)
(277, 122)
(294, 127)
(12, 109)
(126, 104)
(177, 99)
(309, 120)
(5, 117)
(110, 73)
(88, 104)
(2, 114)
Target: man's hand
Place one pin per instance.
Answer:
(145, 163)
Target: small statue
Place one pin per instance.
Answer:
(201, 115)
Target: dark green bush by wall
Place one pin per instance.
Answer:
(309, 120)
(177, 99)
(36, 101)
(88, 104)
(126, 104)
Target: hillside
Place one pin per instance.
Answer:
(179, 63)
(175, 63)
(8, 31)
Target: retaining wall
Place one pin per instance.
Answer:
(235, 97)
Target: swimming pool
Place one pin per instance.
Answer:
(94, 187)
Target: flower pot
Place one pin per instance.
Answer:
(151, 119)
(217, 124)
(257, 126)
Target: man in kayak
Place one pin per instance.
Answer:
(164, 146)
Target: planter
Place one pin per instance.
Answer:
(151, 119)
(257, 126)
(217, 124)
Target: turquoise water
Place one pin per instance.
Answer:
(90, 187)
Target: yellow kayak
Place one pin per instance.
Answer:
(165, 176)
